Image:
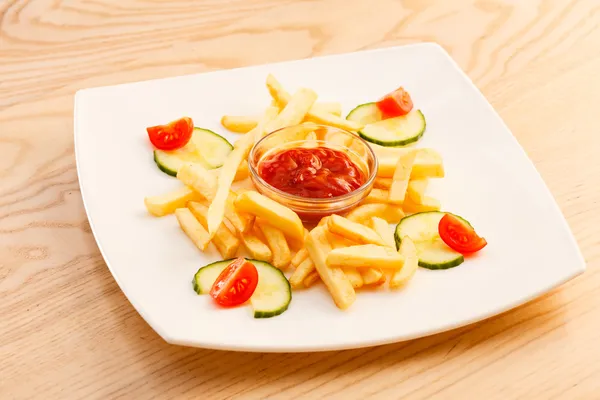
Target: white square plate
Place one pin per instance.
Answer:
(489, 180)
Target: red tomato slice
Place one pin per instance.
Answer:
(172, 136)
(395, 104)
(460, 236)
(235, 284)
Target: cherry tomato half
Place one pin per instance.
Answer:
(460, 236)
(172, 136)
(395, 104)
(235, 284)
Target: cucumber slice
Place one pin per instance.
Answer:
(422, 228)
(271, 297)
(205, 147)
(398, 131)
(364, 114)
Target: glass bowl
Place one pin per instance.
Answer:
(312, 135)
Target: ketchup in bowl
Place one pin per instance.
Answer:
(317, 173)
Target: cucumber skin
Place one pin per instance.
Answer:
(195, 284)
(448, 265)
(163, 168)
(398, 143)
(257, 314)
(357, 107)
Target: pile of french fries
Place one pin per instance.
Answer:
(345, 252)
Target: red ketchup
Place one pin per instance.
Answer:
(316, 173)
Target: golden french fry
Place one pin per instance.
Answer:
(311, 279)
(192, 228)
(225, 241)
(299, 257)
(382, 183)
(377, 196)
(216, 211)
(323, 118)
(365, 255)
(198, 178)
(382, 228)
(256, 247)
(353, 231)
(304, 269)
(416, 190)
(401, 177)
(277, 243)
(428, 164)
(316, 115)
(411, 263)
(388, 212)
(239, 124)
(336, 242)
(294, 111)
(242, 222)
(372, 276)
(242, 173)
(428, 204)
(335, 280)
(167, 203)
(278, 215)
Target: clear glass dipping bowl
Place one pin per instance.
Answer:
(313, 135)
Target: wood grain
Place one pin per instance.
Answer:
(67, 331)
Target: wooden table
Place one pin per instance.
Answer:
(67, 331)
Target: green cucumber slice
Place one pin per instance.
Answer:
(271, 297)
(394, 132)
(364, 114)
(205, 147)
(422, 228)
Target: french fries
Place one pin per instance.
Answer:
(335, 280)
(198, 178)
(336, 242)
(428, 164)
(388, 212)
(277, 243)
(366, 255)
(239, 124)
(382, 183)
(304, 269)
(354, 231)
(167, 203)
(401, 177)
(192, 228)
(372, 276)
(316, 115)
(279, 216)
(311, 279)
(377, 196)
(242, 222)
(256, 247)
(216, 211)
(382, 228)
(416, 190)
(226, 242)
(411, 263)
(299, 257)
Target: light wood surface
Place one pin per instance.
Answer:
(67, 331)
